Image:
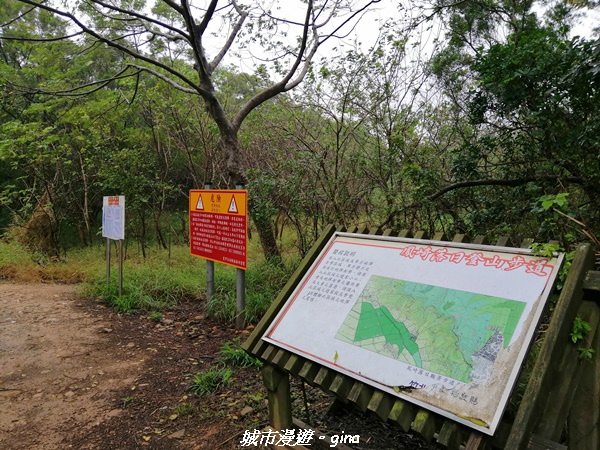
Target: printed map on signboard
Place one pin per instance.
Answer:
(453, 333)
(443, 325)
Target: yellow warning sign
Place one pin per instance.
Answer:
(219, 226)
(219, 202)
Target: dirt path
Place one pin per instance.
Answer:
(58, 372)
(75, 374)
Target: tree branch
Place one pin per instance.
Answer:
(230, 39)
(196, 32)
(473, 183)
(100, 84)
(280, 87)
(143, 18)
(168, 80)
(54, 39)
(112, 43)
(349, 19)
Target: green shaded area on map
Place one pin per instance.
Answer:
(375, 322)
(449, 332)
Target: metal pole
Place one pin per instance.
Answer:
(240, 284)
(210, 267)
(107, 264)
(120, 267)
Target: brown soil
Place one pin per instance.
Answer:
(75, 374)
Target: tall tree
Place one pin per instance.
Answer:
(183, 42)
(527, 90)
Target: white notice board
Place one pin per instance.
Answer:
(113, 217)
(443, 325)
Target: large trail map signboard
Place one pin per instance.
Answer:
(443, 325)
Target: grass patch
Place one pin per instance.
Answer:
(264, 280)
(154, 283)
(211, 380)
(184, 409)
(147, 288)
(20, 265)
(234, 355)
(155, 316)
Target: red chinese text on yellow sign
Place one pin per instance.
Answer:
(218, 226)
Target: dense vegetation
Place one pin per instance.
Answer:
(496, 133)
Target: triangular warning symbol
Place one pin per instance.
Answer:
(233, 206)
(199, 205)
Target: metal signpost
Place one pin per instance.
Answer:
(113, 227)
(218, 232)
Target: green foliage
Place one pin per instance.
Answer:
(232, 354)
(586, 353)
(579, 332)
(564, 270)
(530, 92)
(547, 250)
(549, 201)
(363, 144)
(211, 380)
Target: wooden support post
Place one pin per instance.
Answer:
(361, 394)
(277, 383)
(568, 373)
(584, 421)
(450, 435)
(403, 414)
(424, 424)
(341, 385)
(477, 441)
(558, 332)
(381, 404)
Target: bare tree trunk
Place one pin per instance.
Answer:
(230, 146)
(86, 208)
(266, 235)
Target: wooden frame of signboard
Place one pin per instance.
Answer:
(556, 388)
